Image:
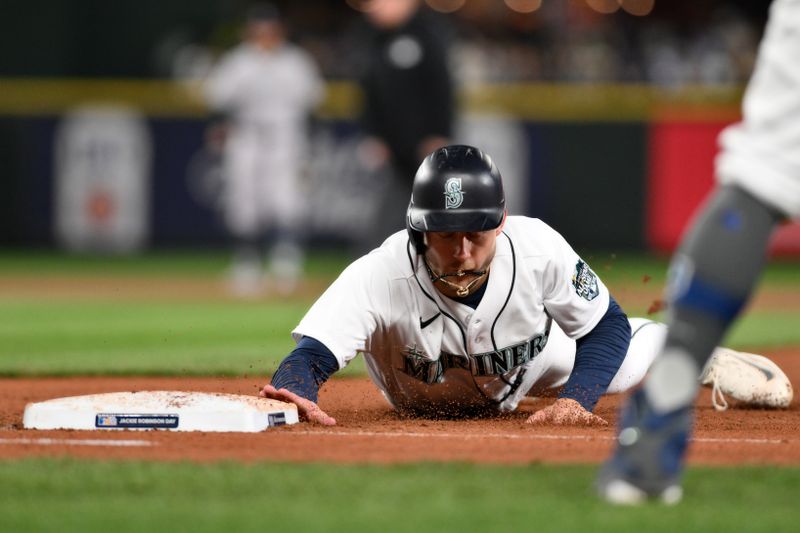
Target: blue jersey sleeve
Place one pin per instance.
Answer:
(598, 356)
(304, 370)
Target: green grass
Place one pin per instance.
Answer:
(171, 338)
(612, 267)
(75, 495)
(102, 335)
(155, 263)
(765, 330)
(94, 335)
(631, 267)
(137, 337)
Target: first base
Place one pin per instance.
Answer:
(172, 410)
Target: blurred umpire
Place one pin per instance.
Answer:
(408, 104)
(262, 93)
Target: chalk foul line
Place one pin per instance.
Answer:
(78, 442)
(513, 436)
(378, 434)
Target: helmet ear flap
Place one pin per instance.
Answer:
(416, 237)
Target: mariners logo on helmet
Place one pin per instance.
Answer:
(453, 195)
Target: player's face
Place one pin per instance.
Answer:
(390, 13)
(265, 34)
(454, 251)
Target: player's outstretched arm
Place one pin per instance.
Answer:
(566, 412)
(300, 375)
(307, 409)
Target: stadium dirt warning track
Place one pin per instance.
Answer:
(368, 431)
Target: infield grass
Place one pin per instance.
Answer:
(198, 263)
(161, 334)
(100, 337)
(74, 495)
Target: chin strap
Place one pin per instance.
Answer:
(460, 291)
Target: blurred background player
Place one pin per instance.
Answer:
(408, 97)
(716, 267)
(262, 93)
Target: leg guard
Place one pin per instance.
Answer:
(713, 274)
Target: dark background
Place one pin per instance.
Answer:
(124, 38)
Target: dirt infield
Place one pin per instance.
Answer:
(368, 431)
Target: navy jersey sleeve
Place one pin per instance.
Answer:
(598, 356)
(304, 370)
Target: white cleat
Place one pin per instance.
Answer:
(286, 267)
(749, 378)
(649, 456)
(621, 492)
(246, 279)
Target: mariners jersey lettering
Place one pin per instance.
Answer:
(494, 363)
(423, 348)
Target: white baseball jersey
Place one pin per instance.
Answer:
(762, 153)
(426, 351)
(268, 95)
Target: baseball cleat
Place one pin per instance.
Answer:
(246, 277)
(752, 379)
(648, 460)
(621, 492)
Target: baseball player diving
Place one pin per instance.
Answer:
(468, 311)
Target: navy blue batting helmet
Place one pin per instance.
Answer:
(456, 188)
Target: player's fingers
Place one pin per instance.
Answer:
(560, 417)
(320, 417)
(586, 418)
(312, 413)
(575, 417)
(307, 409)
(267, 391)
(597, 421)
(539, 417)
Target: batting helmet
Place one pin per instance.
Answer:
(456, 188)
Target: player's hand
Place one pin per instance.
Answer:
(307, 409)
(565, 412)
